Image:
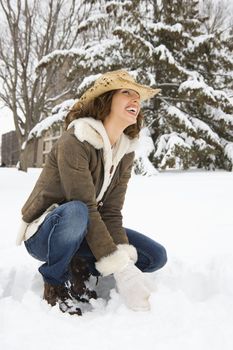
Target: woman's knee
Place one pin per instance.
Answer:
(73, 219)
(159, 259)
(76, 211)
(151, 255)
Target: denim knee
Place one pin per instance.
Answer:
(159, 260)
(73, 207)
(74, 214)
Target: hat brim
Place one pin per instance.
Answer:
(144, 91)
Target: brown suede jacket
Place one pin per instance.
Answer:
(75, 170)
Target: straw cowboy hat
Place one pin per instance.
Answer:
(114, 80)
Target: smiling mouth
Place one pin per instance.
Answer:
(132, 110)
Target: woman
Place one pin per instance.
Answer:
(74, 211)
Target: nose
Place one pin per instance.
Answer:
(135, 97)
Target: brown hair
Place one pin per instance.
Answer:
(98, 109)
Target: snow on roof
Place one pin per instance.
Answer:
(59, 116)
(87, 81)
(63, 106)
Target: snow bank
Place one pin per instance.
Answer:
(190, 213)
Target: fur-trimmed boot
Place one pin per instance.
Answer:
(79, 275)
(60, 294)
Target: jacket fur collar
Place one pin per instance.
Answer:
(93, 131)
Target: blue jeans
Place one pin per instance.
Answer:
(62, 235)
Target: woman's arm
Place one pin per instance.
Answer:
(113, 202)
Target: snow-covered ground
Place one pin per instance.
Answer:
(190, 213)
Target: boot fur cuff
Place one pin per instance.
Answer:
(130, 250)
(112, 263)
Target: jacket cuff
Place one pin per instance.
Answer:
(112, 263)
(130, 250)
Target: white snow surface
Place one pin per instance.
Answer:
(190, 213)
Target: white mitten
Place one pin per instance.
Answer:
(133, 286)
(130, 250)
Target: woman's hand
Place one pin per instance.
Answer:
(133, 287)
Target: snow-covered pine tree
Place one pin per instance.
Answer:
(101, 50)
(191, 125)
(164, 44)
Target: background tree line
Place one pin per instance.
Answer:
(52, 50)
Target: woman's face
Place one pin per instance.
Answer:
(125, 107)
